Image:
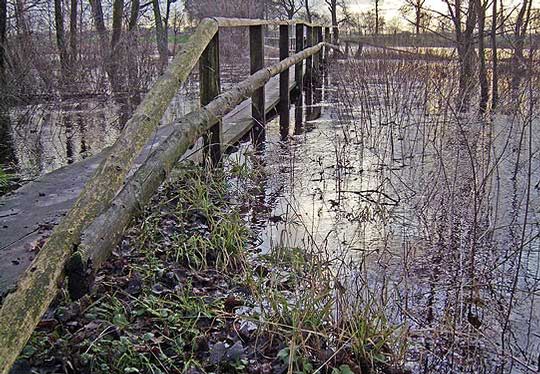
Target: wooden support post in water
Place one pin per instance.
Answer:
(309, 75)
(309, 60)
(298, 68)
(284, 101)
(327, 39)
(210, 88)
(298, 76)
(258, 111)
(320, 55)
(316, 75)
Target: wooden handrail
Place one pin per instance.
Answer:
(244, 22)
(105, 232)
(21, 310)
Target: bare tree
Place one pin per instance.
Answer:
(518, 59)
(335, 7)
(307, 8)
(421, 17)
(198, 9)
(287, 8)
(368, 22)
(482, 71)
(464, 31)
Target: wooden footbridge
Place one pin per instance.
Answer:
(65, 224)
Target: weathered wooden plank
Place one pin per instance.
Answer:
(284, 97)
(258, 111)
(22, 309)
(210, 88)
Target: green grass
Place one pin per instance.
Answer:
(168, 296)
(5, 179)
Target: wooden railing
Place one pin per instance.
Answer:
(97, 220)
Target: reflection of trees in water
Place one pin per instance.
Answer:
(48, 136)
(457, 258)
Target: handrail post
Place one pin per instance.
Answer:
(298, 76)
(284, 100)
(309, 75)
(210, 88)
(327, 39)
(298, 69)
(316, 75)
(258, 110)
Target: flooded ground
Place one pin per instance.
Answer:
(429, 217)
(49, 136)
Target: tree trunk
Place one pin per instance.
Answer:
(308, 11)
(115, 52)
(332, 7)
(73, 38)
(61, 43)
(466, 52)
(133, 82)
(418, 16)
(494, 59)
(482, 73)
(376, 17)
(134, 15)
(97, 14)
(3, 30)
(518, 59)
(161, 35)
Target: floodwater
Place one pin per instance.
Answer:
(429, 216)
(49, 136)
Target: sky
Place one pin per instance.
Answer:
(390, 8)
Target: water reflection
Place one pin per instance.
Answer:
(49, 136)
(430, 216)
